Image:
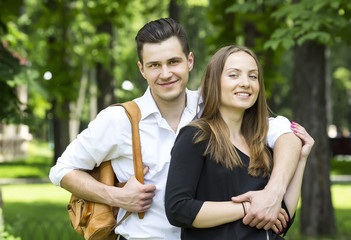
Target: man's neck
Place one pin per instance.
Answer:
(172, 111)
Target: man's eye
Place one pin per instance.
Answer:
(154, 65)
(174, 62)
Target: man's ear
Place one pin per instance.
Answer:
(141, 68)
(190, 61)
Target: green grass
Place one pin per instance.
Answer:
(340, 166)
(32, 210)
(38, 211)
(35, 211)
(341, 195)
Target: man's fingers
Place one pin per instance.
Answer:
(242, 198)
(255, 222)
(247, 219)
(261, 224)
(268, 225)
(145, 170)
(251, 220)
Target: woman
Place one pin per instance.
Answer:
(224, 154)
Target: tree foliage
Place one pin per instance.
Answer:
(74, 39)
(9, 66)
(324, 21)
(304, 28)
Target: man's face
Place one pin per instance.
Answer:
(166, 69)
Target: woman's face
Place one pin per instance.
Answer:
(239, 82)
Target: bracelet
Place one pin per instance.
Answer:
(242, 203)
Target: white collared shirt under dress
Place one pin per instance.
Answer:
(108, 137)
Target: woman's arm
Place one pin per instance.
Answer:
(213, 214)
(292, 194)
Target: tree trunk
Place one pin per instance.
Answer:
(76, 108)
(310, 101)
(174, 10)
(104, 78)
(93, 92)
(61, 129)
(60, 67)
(250, 34)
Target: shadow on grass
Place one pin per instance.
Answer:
(340, 166)
(36, 165)
(38, 221)
(43, 221)
(343, 225)
(32, 167)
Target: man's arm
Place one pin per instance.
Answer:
(266, 204)
(91, 147)
(134, 196)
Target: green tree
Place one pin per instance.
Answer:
(310, 27)
(9, 64)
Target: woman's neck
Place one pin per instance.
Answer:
(234, 119)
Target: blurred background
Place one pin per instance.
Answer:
(61, 62)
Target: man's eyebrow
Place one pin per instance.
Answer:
(168, 60)
(152, 62)
(175, 58)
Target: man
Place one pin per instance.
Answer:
(165, 62)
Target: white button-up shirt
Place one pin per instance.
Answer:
(108, 137)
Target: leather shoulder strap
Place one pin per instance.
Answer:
(134, 115)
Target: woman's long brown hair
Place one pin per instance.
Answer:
(213, 128)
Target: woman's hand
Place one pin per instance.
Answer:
(306, 139)
(281, 222)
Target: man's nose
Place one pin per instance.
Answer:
(165, 72)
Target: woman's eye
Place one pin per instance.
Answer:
(234, 75)
(253, 77)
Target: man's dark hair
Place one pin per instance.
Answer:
(161, 30)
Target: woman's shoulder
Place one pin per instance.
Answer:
(188, 139)
(194, 128)
(194, 132)
(188, 132)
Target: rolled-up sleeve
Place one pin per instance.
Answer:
(92, 146)
(277, 127)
